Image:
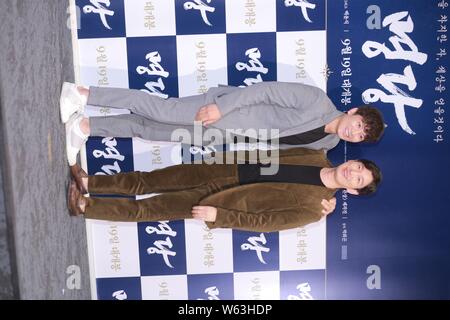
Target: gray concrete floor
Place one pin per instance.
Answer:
(6, 281)
(35, 59)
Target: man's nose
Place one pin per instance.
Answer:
(356, 132)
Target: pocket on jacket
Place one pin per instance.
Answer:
(269, 198)
(244, 110)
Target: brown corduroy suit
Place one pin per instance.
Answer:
(262, 207)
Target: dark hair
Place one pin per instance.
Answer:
(373, 122)
(376, 174)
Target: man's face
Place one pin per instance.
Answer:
(351, 127)
(353, 175)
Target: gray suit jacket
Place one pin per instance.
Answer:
(292, 108)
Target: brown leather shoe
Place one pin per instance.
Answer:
(77, 174)
(73, 199)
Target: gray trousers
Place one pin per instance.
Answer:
(152, 118)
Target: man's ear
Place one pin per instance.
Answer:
(353, 191)
(352, 111)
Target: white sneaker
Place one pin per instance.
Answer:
(71, 101)
(75, 138)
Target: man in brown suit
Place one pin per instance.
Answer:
(234, 196)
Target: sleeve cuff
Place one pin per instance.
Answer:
(220, 220)
(225, 104)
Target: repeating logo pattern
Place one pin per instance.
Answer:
(171, 48)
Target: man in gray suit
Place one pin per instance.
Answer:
(301, 115)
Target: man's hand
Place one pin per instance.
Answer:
(328, 206)
(204, 213)
(208, 114)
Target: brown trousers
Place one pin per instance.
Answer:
(181, 187)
